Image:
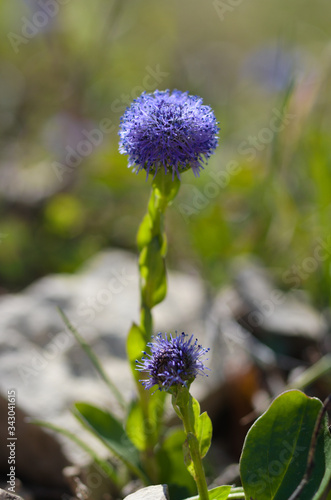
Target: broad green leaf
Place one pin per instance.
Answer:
(171, 464)
(205, 432)
(275, 452)
(110, 431)
(219, 493)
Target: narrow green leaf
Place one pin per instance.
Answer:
(110, 431)
(202, 426)
(196, 412)
(321, 368)
(145, 234)
(103, 464)
(135, 345)
(153, 274)
(275, 452)
(187, 457)
(94, 359)
(204, 435)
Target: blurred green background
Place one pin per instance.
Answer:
(68, 70)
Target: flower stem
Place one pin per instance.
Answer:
(152, 247)
(183, 404)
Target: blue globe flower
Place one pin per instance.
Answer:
(172, 362)
(174, 131)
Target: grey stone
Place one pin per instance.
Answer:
(6, 495)
(271, 310)
(158, 492)
(28, 315)
(56, 289)
(42, 360)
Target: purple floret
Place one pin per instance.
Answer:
(174, 131)
(173, 361)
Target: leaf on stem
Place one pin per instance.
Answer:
(135, 345)
(153, 274)
(145, 234)
(204, 434)
(202, 426)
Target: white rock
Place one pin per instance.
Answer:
(158, 492)
(5, 495)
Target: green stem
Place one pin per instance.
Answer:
(152, 246)
(183, 405)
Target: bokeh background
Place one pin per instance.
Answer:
(67, 66)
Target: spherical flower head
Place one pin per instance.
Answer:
(169, 130)
(174, 361)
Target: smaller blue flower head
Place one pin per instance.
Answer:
(173, 361)
(173, 131)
